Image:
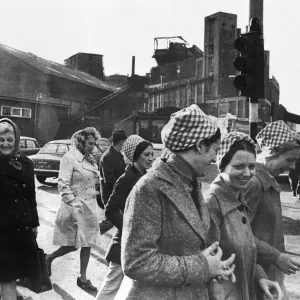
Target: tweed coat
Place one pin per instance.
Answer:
(229, 224)
(115, 208)
(263, 197)
(76, 221)
(18, 215)
(163, 238)
(111, 166)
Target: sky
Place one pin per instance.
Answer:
(120, 29)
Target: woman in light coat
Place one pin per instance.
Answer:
(165, 224)
(76, 224)
(229, 220)
(280, 151)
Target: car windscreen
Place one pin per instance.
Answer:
(55, 148)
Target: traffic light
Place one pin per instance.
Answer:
(250, 62)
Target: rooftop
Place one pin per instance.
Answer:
(56, 69)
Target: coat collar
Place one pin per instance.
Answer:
(226, 197)
(85, 164)
(176, 191)
(266, 179)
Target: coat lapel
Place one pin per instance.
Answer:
(85, 165)
(176, 193)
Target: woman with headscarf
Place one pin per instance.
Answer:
(280, 150)
(76, 224)
(140, 153)
(229, 220)
(166, 221)
(18, 214)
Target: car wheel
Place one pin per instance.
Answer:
(41, 179)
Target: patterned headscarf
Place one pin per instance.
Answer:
(275, 134)
(228, 140)
(186, 127)
(78, 140)
(130, 145)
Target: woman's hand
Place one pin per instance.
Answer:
(271, 289)
(222, 270)
(35, 232)
(287, 264)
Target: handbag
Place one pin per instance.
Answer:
(41, 281)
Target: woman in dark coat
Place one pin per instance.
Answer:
(18, 215)
(140, 153)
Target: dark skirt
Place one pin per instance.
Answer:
(18, 254)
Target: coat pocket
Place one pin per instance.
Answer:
(67, 214)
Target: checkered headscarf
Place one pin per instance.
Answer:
(228, 140)
(130, 145)
(275, 134)
(186, 127)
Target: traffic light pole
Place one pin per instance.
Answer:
(253, 118)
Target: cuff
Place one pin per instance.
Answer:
(260, 273)
(196, 270)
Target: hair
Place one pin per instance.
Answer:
(271, 153)
(141, 147)
(117, 136)
(79, 138)
(238, 145)
(6, 127)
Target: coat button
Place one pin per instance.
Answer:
(17, 216)
(27, 228)
(244, 220)
(24, 199)
(16, 185)
(16, 201)
(24, 185)
(18, 229)
(240, 208)
(25, 214)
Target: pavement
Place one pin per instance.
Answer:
(65, 270)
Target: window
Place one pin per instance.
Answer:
(30, 144)
(200, 68)
(240, 109)
(62, 148)
(5, 110)
(210, 63)
(26, 113)
(22, 144)
(211, 49)
(232, 107)
(16, 112)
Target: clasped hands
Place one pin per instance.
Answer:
(219, 270)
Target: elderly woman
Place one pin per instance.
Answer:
(166, 221)
(280, 151)
(18, 214)
(229, 220)
(76, 223)
(140, 153)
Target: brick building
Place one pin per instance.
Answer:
(42, 97)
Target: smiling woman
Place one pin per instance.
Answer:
(229, 219)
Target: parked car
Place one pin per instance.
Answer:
(29, 145)
(46, 162)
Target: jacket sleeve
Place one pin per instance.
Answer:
(32, 200)
(141, 257)
(215, 289)
(116, 203)
(260, 273)
(108, 170)
(65, 177)
(266, 254)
